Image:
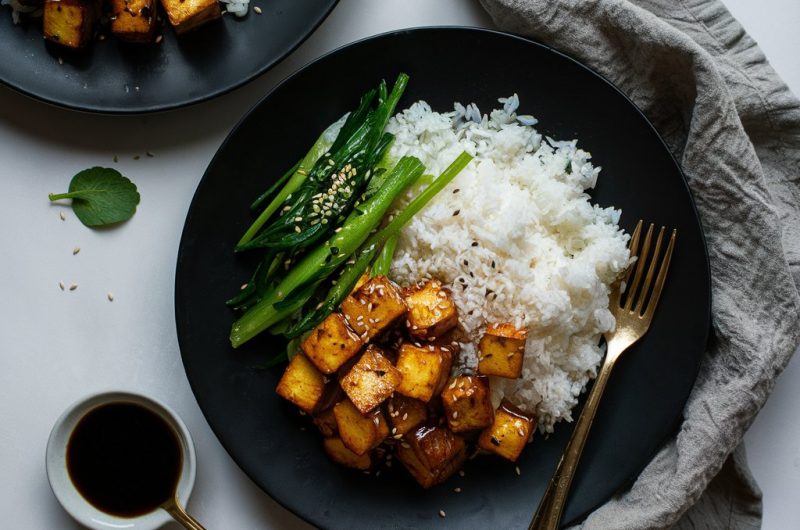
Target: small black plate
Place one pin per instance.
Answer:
(643, 403)
(118, 78)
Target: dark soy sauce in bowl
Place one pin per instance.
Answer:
(124, 459)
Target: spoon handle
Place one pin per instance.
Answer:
(177, 512)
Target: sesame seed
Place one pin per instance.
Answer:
(149, 154)
(257, 10)
(73, 286)
(457, 490)
(297, 229)
(287, 208)
(60, 60)
(62, 216)
(455, 415)
(394, 430)
(516, 469)
(110, 296)
(243, 287)
(461, 473)
(474, 243)
(397, 436)
(61, 285)
(521, 433)
(456, 190)
(76, 250)
(298, 219)
(456, 212)
(405, 416)
(442, 514)
(159, 39)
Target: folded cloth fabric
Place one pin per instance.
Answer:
(735, 128)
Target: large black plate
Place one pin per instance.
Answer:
(112, 77)
(645, 397)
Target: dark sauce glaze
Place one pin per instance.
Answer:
(124, 459)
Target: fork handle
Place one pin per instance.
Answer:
(548, 515)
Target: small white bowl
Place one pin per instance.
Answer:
(69, 497)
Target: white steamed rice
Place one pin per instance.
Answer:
(523, 201)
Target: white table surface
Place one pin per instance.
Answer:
(56, 347)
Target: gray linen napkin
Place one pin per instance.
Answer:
(735, 128)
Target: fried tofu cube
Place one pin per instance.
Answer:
(501, 351)
(339, 453)
(374, 307)
(405, 413)
(302, 383)
(432, 454)
(358, 432)
(331, 344)
(134, 20)
(70, 23)
(425, 369)
(509, 433)
(186, 15)
(371, 380)
(431, 310)
(326, 423)
(467, 403)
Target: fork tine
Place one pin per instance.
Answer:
(651, 270)
(639, 268)
(633, 246)
(662, 276)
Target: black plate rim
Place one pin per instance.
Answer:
(287, 504)
(151, 109)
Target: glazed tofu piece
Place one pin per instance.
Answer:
(424, 368)
(467, 403)
(501, 351)
(371, 380)
(358, 432)
(431, 454)
(431, 310)
(339, 453)
(186, 15)
(323, 417)
(331, 344)
(302, 384)
(70, 23)
(509, 432)
(376, 306)
(134, 20)
(405, 413)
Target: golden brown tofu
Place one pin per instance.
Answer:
(405, 413)
(374, 307)
(326, 423)
(186, 15)
(509, 433)
(371, 380)
(467, 403)
(502, 349)
(424, 368)
(359, 433)
(134, 20)
(431, 310)
(431, 454)
(70, 23)
(339, 453)
(302, 384)
(331, 344)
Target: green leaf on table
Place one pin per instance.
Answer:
(101, 196)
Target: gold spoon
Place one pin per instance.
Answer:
(174, 508)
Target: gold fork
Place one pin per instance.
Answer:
(633, 314)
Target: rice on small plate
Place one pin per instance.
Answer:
(516, 239)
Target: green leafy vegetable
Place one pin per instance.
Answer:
(101, 196)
